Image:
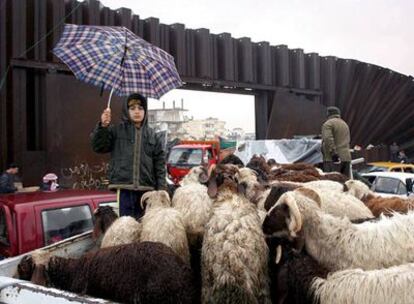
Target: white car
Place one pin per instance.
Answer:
(391, 183)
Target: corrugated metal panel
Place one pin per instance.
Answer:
(245, 60)
(203, 53)
(178, 47)
(225, 57)
(297, 67)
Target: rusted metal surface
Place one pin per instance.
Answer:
(37, 101)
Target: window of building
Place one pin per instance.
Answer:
(59, 224)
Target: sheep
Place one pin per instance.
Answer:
(115, 231)
(332, 202)
(161, 223)
(144, 272)
(292, 273)
(293, 175)
(335, 177)
(376, 203)
(232, 159)
(300, 279)
(258, 163)
(335, 242)
(342, 204)
(194, 204)
(382, 286)
(234, 252)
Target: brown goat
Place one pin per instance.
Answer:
(388, 205)
(335, 176)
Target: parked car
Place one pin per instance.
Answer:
(389, 166)
(391, 183)
(32, 220)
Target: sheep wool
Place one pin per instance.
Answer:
(134, 273)
(338, 244)
(161, 223)
(392, 285)
(124, 230)
(194, 204)
(234, 253)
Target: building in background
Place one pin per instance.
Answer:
(169, 120)
(204, 129)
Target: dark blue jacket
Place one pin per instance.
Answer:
(7, 183)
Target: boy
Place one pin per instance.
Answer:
(137, 160)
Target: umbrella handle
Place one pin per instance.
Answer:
(110, 97)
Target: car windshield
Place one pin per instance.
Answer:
(185, 156)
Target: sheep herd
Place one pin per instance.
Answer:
(260, 233)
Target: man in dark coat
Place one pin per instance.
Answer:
(335, 143)
(7, 179)
(137, 160)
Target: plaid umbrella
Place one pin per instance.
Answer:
(116, 59)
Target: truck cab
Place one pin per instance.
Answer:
(32, 220)
(189, 154)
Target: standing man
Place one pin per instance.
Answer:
(137, 160)
(335, 143)
(7, 179)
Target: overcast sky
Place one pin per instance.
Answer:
(375, 31)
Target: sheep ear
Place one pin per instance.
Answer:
(212, 185)
(39, 276)
(203, 177)
(212, 188)
(299, 242)
(345, 189)
(241, 188)
(97, 229)
(309, 193)
(294, 221)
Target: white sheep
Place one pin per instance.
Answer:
(161, 223)
(234, 252)
(109, 230)
(342, 204)
(338, 244)
(383, 286)
(124, 230)
(194, 204)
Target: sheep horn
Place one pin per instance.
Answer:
(144, 197)
(295, 224)
(278, 254)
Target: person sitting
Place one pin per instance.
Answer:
(7, 179)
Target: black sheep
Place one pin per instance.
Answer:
(146, 272)
(292, 277)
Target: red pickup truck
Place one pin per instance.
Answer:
(32, 220)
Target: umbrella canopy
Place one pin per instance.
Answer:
(116, 59)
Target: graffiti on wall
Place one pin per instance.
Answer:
(85, 176)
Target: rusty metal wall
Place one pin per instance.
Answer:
(376, 102)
